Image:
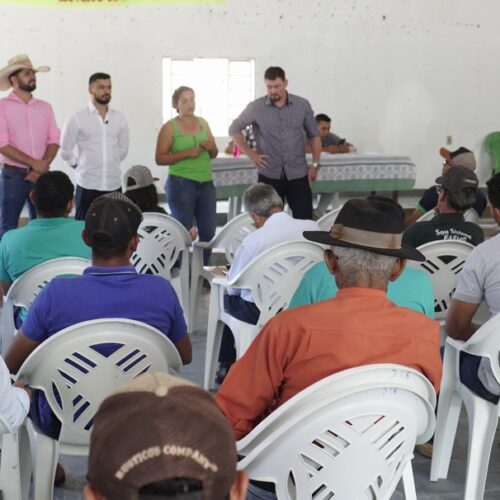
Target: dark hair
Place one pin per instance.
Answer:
(178, 488)
(177, 95)
(145, 198)
(322, 118)
(468, 193)
(105, 252)
(51, 194)
(494, 190)
(98, 76)
(274, 72)
(14, 74)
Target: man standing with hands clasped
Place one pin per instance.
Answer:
(280, 120)
(29, 139)
(100, 135)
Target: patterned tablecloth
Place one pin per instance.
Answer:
(341, 172)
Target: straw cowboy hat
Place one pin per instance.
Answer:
(14, 64)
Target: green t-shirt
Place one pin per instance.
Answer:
(40, 240)
(413, 289)
(196, 169)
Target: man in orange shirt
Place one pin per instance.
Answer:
(359, 326)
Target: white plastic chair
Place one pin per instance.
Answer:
(444, 261)
(163, 241)
(228, 239)
(326, 222)
(273, 278)
(348, 436)
(25, 289)
(482, 415)
(67, 364)
(15, 463)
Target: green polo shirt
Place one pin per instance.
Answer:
(40, 240)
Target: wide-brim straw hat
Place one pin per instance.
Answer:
(372, 225)
(14, 64)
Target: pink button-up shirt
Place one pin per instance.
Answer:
(29, 127)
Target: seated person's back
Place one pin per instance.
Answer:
(51, 235)
(457, 189)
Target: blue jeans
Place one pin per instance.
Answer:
(189, 200)
(14, 191)
(469, 366)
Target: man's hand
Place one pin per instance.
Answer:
(32, 176)
(40, 166)
(259, 160)
(22, 385)
(312, 173)
(194, 152)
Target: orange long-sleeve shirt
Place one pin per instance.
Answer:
(360, 326)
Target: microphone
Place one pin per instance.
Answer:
(106, 122)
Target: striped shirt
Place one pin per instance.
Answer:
(280, 133)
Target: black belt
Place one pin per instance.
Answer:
(13, 168)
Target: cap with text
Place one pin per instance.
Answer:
(160, 427)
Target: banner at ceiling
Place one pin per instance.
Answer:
(102, 3)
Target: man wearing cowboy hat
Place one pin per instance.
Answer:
(359, 326)
(29, 139)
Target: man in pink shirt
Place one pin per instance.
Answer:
(29, 139)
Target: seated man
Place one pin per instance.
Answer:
(110, 288)
(190, 450)
(479, 280)
(51, 235)
(413, 289)
(359, 326)
(462, 157)
(333, 144)
(456, 189)
(14, 400)
(274, 226)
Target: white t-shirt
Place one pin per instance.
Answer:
(480, 280)
(14, 401)
(278, 228)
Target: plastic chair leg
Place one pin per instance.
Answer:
(409, 482)
(10, 470)
(448, 415)
(212, 353)
(243, 337)
(483, 421)
(47, 452)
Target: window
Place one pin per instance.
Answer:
(223, 88)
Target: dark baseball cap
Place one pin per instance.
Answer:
(159, 427)
(460, 157)
(458, 181)
(112, 220)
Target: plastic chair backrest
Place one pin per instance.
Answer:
(349, 435)
(162, 241)
(492, 145)
(75, 377)
(24, 290)
(326, 222)
(232, 234)
(444, 261)
(274, 275)
(4, 428)
(471, 215)
(427, 216)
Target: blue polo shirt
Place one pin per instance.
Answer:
(101, 292)
(40, 240)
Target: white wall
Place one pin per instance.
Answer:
(398, 76)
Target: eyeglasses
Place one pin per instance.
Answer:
(439, 189)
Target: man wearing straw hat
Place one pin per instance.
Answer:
(359, 326)
(29, 139)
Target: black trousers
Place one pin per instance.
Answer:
(85, 197)
(296, 192)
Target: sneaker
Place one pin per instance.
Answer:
(424, 449)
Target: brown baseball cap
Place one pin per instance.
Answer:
(112, 220)
(160, 427)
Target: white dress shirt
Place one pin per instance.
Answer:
(14, 401)
(101, 144)
(279, 228)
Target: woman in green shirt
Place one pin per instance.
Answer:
(186, 144)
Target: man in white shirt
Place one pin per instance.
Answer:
(274, 226)
(479, 280)
(100, 136)
(14, 401)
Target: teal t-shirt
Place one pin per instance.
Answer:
(413, 289)
(40, 240)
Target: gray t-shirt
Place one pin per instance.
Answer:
(480, 280)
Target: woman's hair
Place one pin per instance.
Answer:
(177, 95)
(145, 198)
